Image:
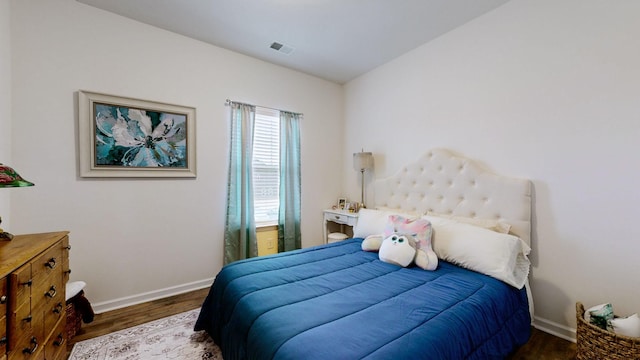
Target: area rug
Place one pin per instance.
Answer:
(169, 338)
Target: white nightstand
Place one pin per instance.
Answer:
(345, 221)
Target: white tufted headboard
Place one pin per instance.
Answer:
(443, 182)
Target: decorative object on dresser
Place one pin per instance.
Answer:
(34, 269)
(10, 178)
(362, 161)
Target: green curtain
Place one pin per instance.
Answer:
(240, 241)
(289, 217)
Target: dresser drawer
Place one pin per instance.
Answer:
(4, 299)
(23, 342)
(49, 314)
(55, 348)
(20, 321)
(29, 348)
(3, 336)
(46, 264)
(20, 284)
(46, 296)
(338, 218)
(48, 290)
(66, 248)
(4, 296)
(53, 315)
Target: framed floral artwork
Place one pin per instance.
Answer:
(126, 137)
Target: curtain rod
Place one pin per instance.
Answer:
(228, 102)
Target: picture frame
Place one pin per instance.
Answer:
(342, 202)
(128, 137)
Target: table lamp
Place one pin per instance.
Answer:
(362, 161)
(10, 178)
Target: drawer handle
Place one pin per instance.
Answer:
(51, 264)
(3, 299)
(52, 292)
(59, 340)
(58, 308)
(27, 283)
(68, 247)
(337, 217)
(68, 272)
(34, 346)
(28, 318)
(3, 341)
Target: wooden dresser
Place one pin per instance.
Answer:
(34, 270)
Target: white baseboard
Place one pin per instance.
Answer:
(150, 296)
(553, 328)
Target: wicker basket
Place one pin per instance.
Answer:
(594, 343)
(74, 321)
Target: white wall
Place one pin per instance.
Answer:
(136, 239)
(543, 89)
(5, 106)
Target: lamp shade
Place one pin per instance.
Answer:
(10, 178)
(362, 161)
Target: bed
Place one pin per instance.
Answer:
(337, 301)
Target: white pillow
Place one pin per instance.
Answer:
(501, 256)
(491, 224)
(373, 222)
(629, 326)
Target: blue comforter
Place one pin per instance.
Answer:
(339, 302)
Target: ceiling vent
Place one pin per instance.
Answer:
(282, 48)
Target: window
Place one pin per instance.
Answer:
(275, 194)
(266, 166)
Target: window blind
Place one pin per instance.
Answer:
(266, 166)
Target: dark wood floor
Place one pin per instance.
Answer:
(544, 346)
(541, 345)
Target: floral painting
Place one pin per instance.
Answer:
(126, 137)
(135, 137)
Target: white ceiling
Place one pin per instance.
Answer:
(337, 40)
